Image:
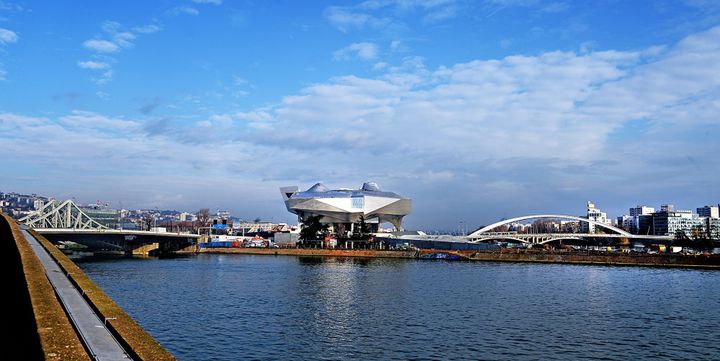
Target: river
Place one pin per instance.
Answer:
(230, 307)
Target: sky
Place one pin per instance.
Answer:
(476, 110)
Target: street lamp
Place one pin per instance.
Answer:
(155, 215)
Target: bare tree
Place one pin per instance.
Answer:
(147, 222)
(203, 216)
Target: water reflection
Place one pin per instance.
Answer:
(225, 307)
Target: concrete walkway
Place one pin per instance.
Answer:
(92, 331)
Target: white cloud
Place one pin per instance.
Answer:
(484, 138)
(120, 39)
(381, 13)
(362, 50)
(101, 46)
(104, 77)
(96, 65)
(343, 18)
(147, 29)
(239, 81)
(3, 73)
(213, 2)
(189, 10)
(555, 7)
(441, 14)
(396, 45)
(7, 36)
(380, 65)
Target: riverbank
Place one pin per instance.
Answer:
(44, 328)
(597, 258)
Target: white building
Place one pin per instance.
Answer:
(594, 214)
(641, 211)
(347, 206)
(186, 217)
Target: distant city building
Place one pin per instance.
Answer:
(709, 211)
(667, 208)
(594, 214)
(38, 203)
(713, 227)
(626, 222)
(186, 217)
(645, 224)
(632, 222)
(668, 223)
(105, 216)
(641, 211)
(19, 205)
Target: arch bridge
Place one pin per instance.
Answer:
(486, 234)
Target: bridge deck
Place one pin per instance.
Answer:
(93, 332)
(560, 235)
(114, 231)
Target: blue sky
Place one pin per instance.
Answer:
(476, 110)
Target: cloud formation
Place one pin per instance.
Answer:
(101, 46)
(7, 36)
(113, 39)
(213, 2)
(97, 65)
(378, 14)
(362, 50)
(147, 29)
(184, 9)
(474, 141)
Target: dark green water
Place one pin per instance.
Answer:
(230, 307)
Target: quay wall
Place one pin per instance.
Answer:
(314, 252)
(616, 259)
(58, 339)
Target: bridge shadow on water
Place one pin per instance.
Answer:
(86, 257)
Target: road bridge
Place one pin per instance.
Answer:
(65, 221)
(609, 233)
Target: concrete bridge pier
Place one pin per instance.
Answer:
(143, 249)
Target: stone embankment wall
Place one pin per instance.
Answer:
(314, 252)
(618, 259)
(54, 336)
(600, 258)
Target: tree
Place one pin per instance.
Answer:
(681, 239)
(362, 230)
(313, 229)
(697, 232)
(203, 217)
(147, 222)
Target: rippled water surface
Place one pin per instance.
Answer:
(229, 307)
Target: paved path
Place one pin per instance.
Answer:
(92, 331)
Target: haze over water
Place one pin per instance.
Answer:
(229, 307)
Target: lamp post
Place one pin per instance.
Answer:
(155, 215)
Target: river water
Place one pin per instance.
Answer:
(230, 307)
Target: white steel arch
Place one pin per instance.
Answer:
(485, 229)
(64, 215)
